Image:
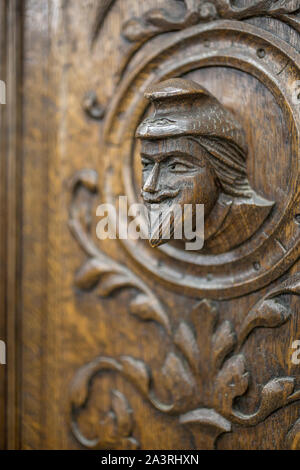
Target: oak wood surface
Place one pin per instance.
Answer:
(67, 328)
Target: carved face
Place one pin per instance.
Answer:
(175, 171)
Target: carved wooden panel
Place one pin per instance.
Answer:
(126, 344)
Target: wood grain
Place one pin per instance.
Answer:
(105, 352)
(12, 202)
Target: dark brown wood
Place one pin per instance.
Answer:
(3, 241)
(113, 343)
(11, 202)
(194, 151)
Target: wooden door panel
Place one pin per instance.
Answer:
(114, 344)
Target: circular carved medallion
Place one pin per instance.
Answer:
(253, 61)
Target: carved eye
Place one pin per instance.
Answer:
(147, 165)
(178, 167)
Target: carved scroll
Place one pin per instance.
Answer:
(99, 269)
(205, 368)
(220, 361)
(202, 347)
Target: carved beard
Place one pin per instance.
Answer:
(165, 220)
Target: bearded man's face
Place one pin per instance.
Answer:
(176, 171)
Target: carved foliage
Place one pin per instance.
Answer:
(177, 15)
(201, 347)
(100, 270)
(192, 12)
(293, 437)
(115, 430)
(205, 359)
(205, 362)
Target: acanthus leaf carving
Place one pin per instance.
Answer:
(293, 437)
(90, 273)
(224, 341)
(178, 381)
(219, 359)
(100, 270)
(186, 342)
(231, 382)
(137, 372)
(206, 426)
(275, 394)
(147, 308)
(179, 15)
(115, 430)
(222, 364)
(161, 20)
(226, 8)
(270, 312)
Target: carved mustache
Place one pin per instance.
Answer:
(156, 198)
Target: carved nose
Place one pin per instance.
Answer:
(151, 181)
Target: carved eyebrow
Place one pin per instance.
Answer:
(145, 156)
(190, 161)
(160, 156)
(153, 157)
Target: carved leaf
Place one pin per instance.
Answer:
(289, 6)
(290, 286)
(204, 317)
(114, 430)
(293, 437)
(274, 395)
(256, 7)
(167, 20)
(122, 412)
(112, 282)
(136, 371)
(206, 425)
(283, 10)
(106, 432)
(161, 20)
(178, 381)
(185, 340)
(79, 389)
(95, 269)
(89, 274)
(103, 8)
(231, 382)
(158, 20)
(86, 177)
(223, 342)
(147, 308)
(136, 30)
(207, 417)
(102, 270)
(269, 314)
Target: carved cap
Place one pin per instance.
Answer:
(183, 107)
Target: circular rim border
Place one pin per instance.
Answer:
(118, 133)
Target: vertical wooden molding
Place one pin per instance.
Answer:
(11, 73)
(2, 224)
